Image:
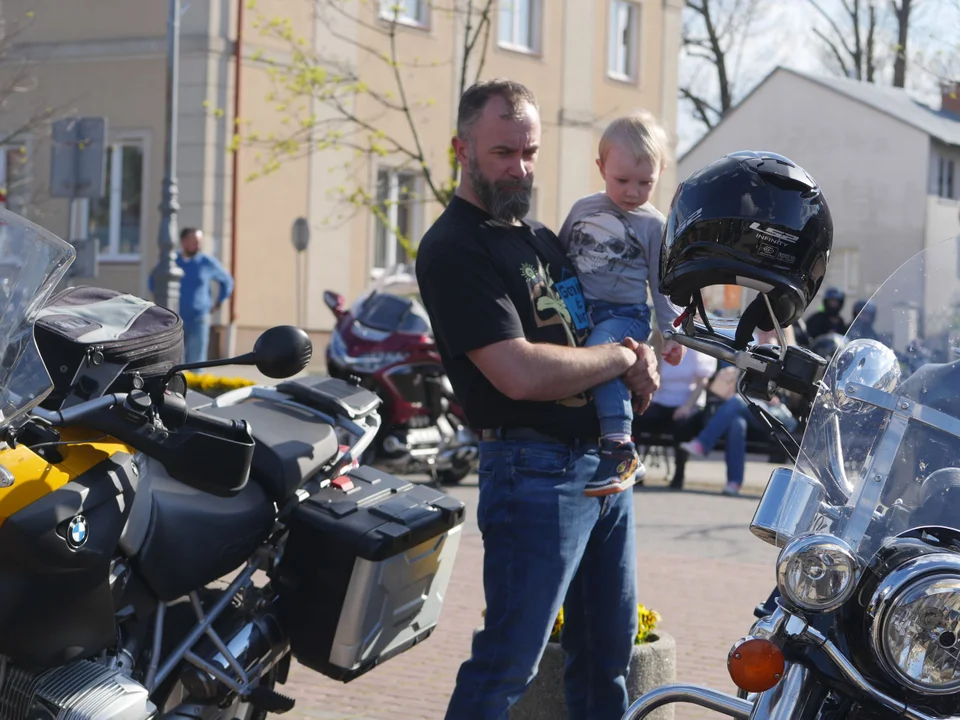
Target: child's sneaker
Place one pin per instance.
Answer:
(619, 469)
(694, 448)
(731, 489)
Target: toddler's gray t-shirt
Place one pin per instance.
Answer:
(617, 253)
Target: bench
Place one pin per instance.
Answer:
(656, 447)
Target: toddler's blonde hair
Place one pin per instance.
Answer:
(640, 133)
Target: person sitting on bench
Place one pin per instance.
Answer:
(678, 404)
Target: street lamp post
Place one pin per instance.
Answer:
(167, 274)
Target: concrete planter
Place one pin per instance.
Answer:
(653, 664)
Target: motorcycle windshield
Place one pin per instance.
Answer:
(32, 262)
(392, 304)
(883, 437)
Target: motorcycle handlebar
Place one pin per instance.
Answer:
(173, 410)
(77, 412)
(175, 413)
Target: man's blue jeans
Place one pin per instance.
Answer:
(613, 324)
(732, 419)
(196, 338)
(546, 544)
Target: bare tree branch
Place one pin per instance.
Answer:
(715, 32)
(702, 107)
(854, 48)
(360, 107)
(841, 36)
(832, 47)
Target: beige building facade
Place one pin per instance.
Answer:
(587, 60)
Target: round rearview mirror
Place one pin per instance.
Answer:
(282, 351)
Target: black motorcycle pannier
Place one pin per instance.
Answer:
(365, 571)
(96, 341)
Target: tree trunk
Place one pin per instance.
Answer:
(902, 12)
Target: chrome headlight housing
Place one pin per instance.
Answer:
(817, 572)
(916, 624)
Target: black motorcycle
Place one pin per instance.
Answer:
(865, 619)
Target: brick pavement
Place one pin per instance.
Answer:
(699, 567)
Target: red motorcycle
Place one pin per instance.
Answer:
(385, 340)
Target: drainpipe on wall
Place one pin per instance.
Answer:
(234, 183)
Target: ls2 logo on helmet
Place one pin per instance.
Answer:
(77, 532)
(777, 237)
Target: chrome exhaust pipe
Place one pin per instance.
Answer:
(693, 694)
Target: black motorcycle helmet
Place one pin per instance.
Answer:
(754, 219)
(836, 296)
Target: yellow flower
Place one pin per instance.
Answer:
(206, 382)
(557, 626)
(646, 621)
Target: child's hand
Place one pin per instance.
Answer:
(673, 352)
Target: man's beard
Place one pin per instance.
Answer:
(507, 200)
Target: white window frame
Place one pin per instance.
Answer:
(512, 41)
(25, 141)
(422, 19)
(416, 216)
(617, 55)
(946, 178)
(82, 207)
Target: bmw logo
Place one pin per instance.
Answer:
(77, 532)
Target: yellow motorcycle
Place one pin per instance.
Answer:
(165, 556)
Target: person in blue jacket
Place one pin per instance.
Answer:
(196, 297)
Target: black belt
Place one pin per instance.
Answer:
(531, 435)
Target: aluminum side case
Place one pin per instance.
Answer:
(365, 570)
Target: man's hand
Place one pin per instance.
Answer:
(673, 352)
(642, 379)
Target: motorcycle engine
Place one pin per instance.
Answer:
(82, 690)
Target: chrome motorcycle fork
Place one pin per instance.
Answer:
(798, 696)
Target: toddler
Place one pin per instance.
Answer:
(613, 239)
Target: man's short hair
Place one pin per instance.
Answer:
(187, 231)
(475, 98)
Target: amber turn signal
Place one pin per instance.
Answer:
(755, 664)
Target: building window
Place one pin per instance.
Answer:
(410, 12)
(15, 177)
(624, 39)
(116, 219)
(399, 204)
(519, 25)
(945, 175)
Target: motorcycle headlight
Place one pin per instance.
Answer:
(817, 572)
(917, 624)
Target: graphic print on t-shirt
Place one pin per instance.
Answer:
(548, 302)
(559, 303)
(601, 241)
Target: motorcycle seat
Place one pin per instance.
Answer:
(292, 443)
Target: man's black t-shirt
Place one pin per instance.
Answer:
(482, 282)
